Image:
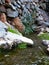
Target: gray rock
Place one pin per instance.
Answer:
(11, 13)
(2, 1)
(27, 5)
(5, 46)
(40, 18)
(48, 49)
(11, 10)
(46, 23)
(47, 29)
(45, 42)
(2, 8)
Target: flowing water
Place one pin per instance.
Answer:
(35, 55)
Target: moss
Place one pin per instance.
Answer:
(14, 31)
(44, 36)
(22, 45)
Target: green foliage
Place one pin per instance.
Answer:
(22, 45)
(14, 31)
(28, 30)
(44, 36)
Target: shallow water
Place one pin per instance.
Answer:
(36, 55)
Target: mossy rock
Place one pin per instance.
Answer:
(14, 31)
(21, 45)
